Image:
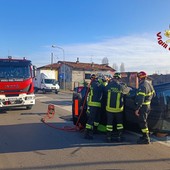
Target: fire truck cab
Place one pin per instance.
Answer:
(16, 83)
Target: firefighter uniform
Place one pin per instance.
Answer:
(114, 94)
(94, 107)
(143, 99)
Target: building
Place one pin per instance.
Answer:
(50, 67)
(160, 79)
(130, 78)
(74, 74)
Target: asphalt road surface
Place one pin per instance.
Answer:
(29, 144)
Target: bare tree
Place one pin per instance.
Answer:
(105, 61)
(122, 67)
(115, 66)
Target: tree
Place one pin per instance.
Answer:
(115, 66)
(122, 67)
(105, 61)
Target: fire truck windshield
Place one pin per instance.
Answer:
(14, 72)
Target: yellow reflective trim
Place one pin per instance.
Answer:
(88, 126)
(146, 103)
(109, 128)
(108, 98)
(118, 100)
(96, 104)
(91, 94)
(141, 93)
(146, 130)
(111, 109)
(90, 102)
(96, 123)
(149, 94)
(119, 126)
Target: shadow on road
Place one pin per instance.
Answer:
(39, 136)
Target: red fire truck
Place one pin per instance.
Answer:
(16, 83)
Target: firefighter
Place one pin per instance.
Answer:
(94, 107)
(144, 95)
(114, 96)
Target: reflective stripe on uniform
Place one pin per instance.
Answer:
(117, 108)
(88, 126)
(146, 130)
(96, 104)
(109, 128)
(119, 126)
(143, 94)
(96, 123)
(146, 103)
(90, 102)
(146, 95)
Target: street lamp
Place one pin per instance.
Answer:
(54, 46)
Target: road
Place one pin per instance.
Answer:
(26, 143)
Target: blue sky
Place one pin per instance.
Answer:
(121, 30)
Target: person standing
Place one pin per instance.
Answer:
(114, 96)
(94, 107)
(143, 99)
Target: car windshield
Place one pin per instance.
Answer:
(50, 81)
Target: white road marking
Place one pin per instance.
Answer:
(46, 98)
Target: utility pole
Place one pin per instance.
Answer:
(64, 78)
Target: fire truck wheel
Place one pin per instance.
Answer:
(28, 107)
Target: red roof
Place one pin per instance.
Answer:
(88, 66)
(54, 66)
(79, 66)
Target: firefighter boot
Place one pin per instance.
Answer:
(144, 139)
(118, 136)
(109, 137)
(88, 134)
(95, 131)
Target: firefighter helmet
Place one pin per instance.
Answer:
(117, 76)
(141, 75)
(93, 76)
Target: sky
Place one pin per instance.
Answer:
(124, 31)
